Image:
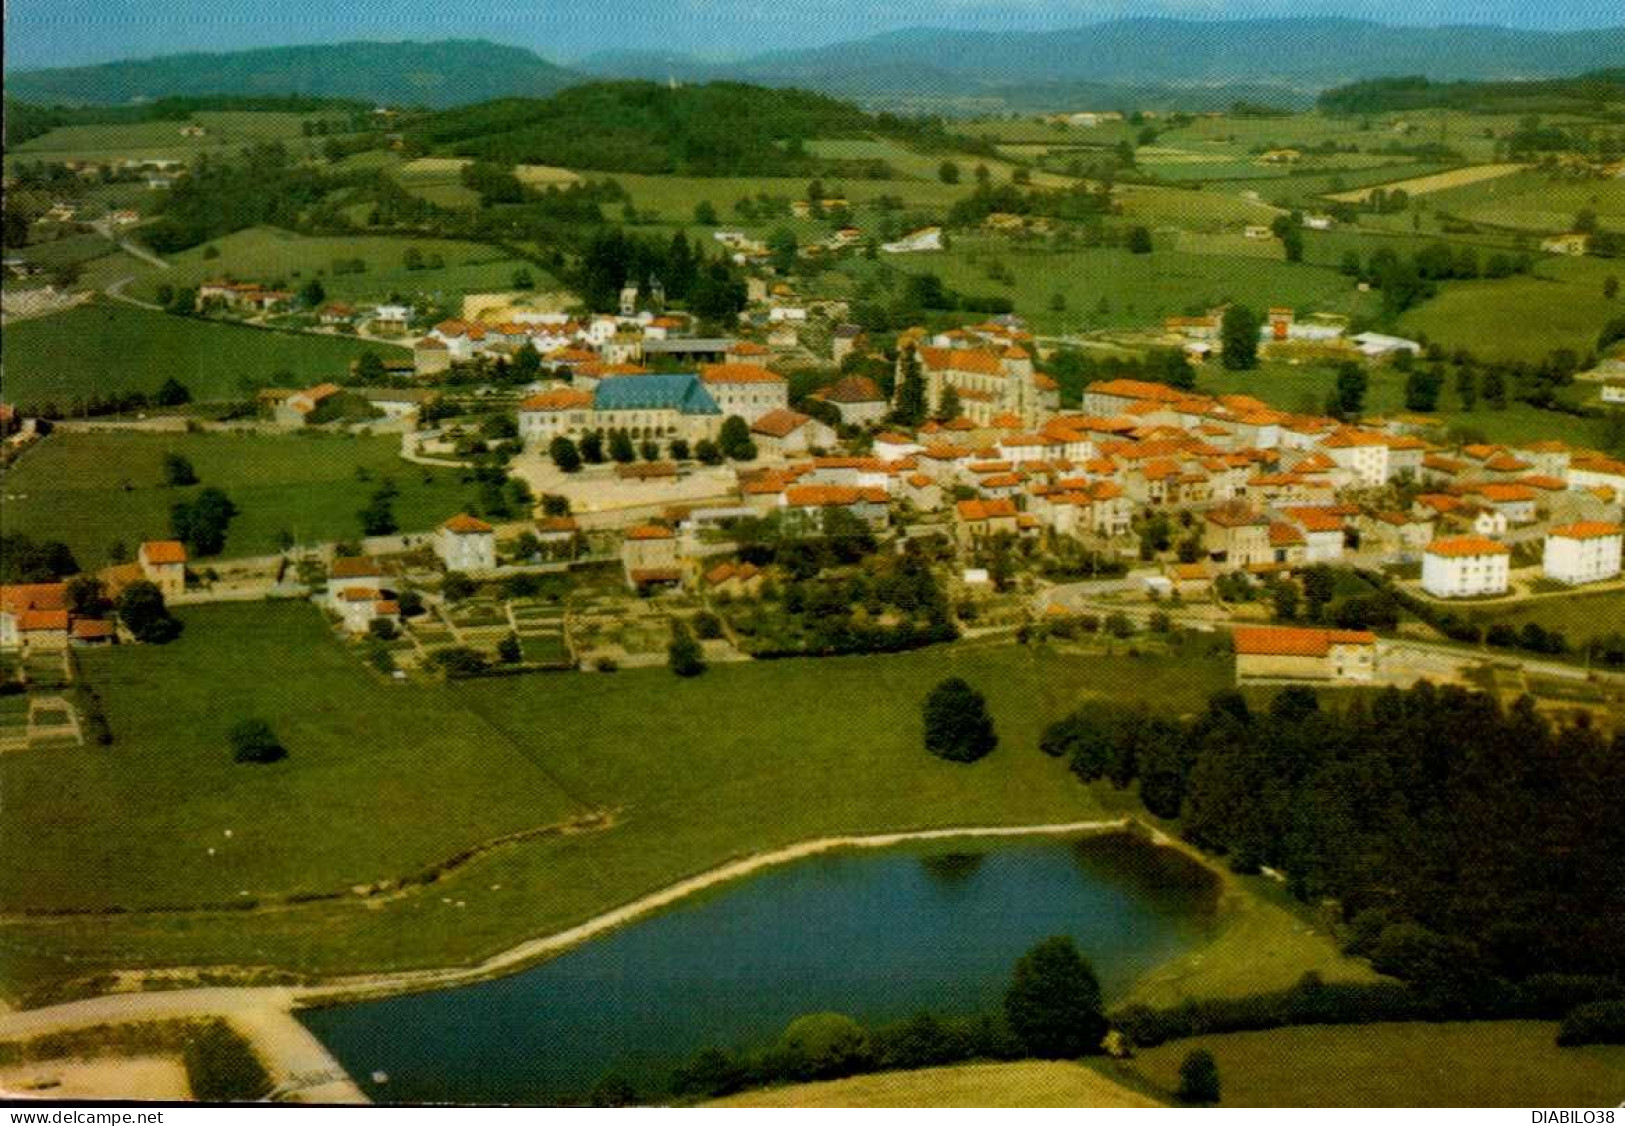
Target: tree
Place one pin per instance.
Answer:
(949, 408)
(141, 608)
(172, 393)
(1199, 1078)
(1053, 1004)
(509, 651)
(1493, 388)
(202, 523)
(565, 455)
(705, 213)
(1239, 337)
(1139, 241)
(911, 407)
(252, 740)
(781, 248)
(684, 655)
(957, 724)
(1422, 388)
(86, 598)
(592, 448)
(620, 447)
(948, 172)
(369, 367)
(734, 439)
(1349, 396)
(458, 586)
(523, 278)
(378, 517)
(178, 471)
(707, 452)
(312, 293)
(1292, 244)
(1610, 287)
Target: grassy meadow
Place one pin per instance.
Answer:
(1027, 1083)
(832, 747)
(104, 346)
(266, 254)
(90, 490)
(1485, 1063)
(226, 131)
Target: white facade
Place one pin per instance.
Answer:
(1583, 553)
(1464, 568)
(463, 547)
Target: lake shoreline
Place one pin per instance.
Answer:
(256, 1011)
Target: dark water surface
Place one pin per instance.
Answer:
(876, 934)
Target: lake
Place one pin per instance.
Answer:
(877, 934)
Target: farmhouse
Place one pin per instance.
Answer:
(1585, 552)
(1283, 653)
(1465, 566)
(163, 564)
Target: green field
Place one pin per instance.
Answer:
(1560, 305)
(831, 746)
(90, 490)
(1578, 616)
(1137, 289)
(1027, 1083)
(266, 254)
(382, 778)
(1488, 1063)
(1305, 389)
(227, 131)
(106, 346)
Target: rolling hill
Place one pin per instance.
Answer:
(443, 73)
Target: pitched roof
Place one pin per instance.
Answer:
(1459, 547)
(780, 423)
(1286, 641)
(986, 509)
(465, 525)
(650, 532)
(739, 373)
(354, 567)
(853, 389)
(163, 551)
(1586, 530)
(682, 393)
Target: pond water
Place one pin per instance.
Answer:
(876, 934)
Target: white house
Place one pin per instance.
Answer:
(926, 238)
(465, 543)
(1465, 566)
(1586, 552)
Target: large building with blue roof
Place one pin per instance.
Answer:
(648, 406)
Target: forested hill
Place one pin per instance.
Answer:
(443, 73)
(1585, 93)
(718, 129)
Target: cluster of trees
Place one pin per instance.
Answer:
(1404, 282)
(24, 559)
(889, 604)
(266, 184)
(619, 445)
(1074, 369)
(1413, 92)
(1079, 201)
(1458, 838)
(712, 288)
(957, 724)
(202, 522)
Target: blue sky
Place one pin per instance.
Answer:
(68, 32)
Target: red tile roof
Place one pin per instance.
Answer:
(163, 551)
(1586, 530)
(1459, 547)
(1285, 641)
(465, 525)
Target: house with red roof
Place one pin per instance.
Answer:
(163, 564)
(1465, 567)
(649, 557)
(1587, 551)
(1283, 654)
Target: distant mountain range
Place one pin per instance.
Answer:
(1123, 62)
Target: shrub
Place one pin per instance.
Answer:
(684, 655)
(252, 740)
(1600, 1022)
(707, 626)
(1199, 1078)
(827, 1045)
(459, 661)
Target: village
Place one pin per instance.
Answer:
(672, 474)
